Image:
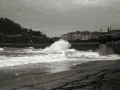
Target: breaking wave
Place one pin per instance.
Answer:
(1, 49)
(58, 47)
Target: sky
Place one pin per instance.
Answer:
(56, 17)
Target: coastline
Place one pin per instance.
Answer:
(95, 75)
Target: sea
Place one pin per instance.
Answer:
(55, 58)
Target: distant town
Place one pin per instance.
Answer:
(87, 35)
(11, 32)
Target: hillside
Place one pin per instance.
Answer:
(9, 27)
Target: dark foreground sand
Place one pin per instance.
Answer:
(97, 75)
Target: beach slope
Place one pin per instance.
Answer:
(96, 75)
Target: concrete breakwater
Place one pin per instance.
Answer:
(94, 46)
(22, 45)
(43, 45)
(115, 45)
(105, 47)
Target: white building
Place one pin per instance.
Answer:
(64, 36)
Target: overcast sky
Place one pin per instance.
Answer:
(56, 17)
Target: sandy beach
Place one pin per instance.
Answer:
(95, 75)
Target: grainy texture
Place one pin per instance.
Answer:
(97, 75)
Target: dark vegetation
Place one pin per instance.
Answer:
(8, 27)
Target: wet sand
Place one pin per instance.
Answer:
(96, 75)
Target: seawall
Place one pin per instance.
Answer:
(115, 45)
(94, 46)
(85, 46)
(22, 45)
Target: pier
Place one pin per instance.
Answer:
(22, 45)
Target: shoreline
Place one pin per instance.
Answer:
(78, 77)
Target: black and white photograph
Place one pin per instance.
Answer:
(59, 44)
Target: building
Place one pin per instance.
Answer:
(76, 35)
(114, 33)
(69, 36)
(64, 36)
(85, 35)
(96, 34)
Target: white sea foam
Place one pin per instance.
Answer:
(59, 51)
(1, 49)
(58, 47)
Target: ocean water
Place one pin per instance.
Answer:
(58, 52)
